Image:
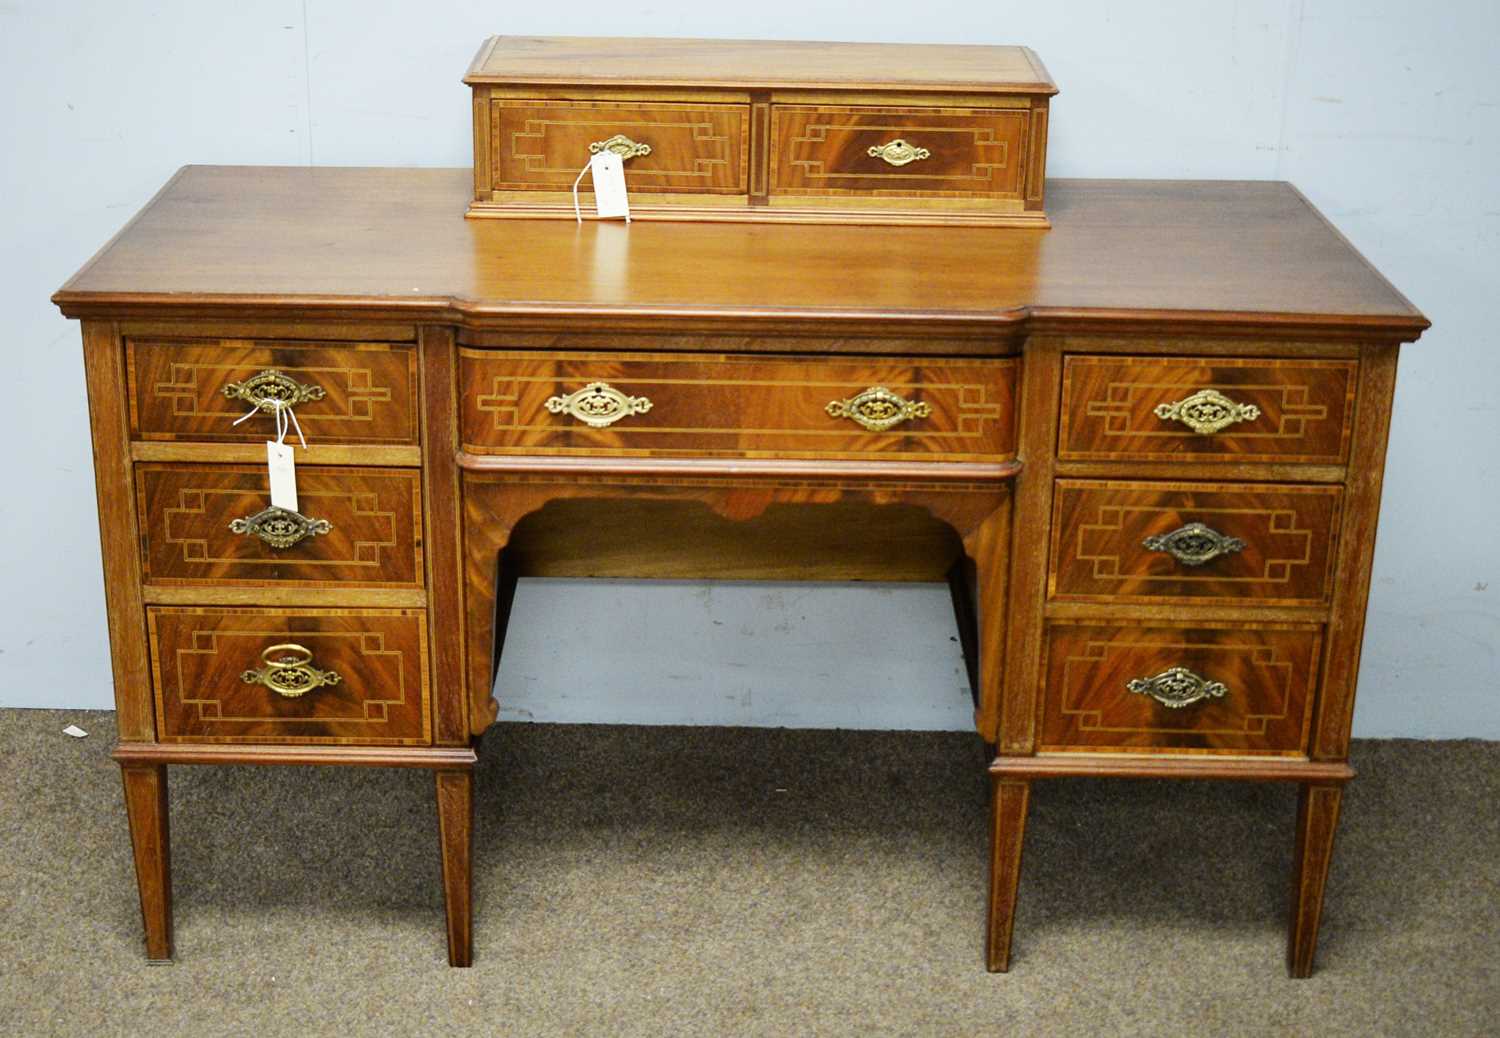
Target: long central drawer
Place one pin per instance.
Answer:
(675, 404)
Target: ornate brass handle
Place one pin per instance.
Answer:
(622, 146)
(1194, 544)
(289, 672)
(898, 152)
(1207, 411)
(878, 409)
(1177, 687)
(280, 527)
(271, 390)
(598, 404)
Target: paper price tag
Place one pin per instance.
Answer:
(283, 475)
(610, 198)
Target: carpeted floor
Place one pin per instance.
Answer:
(686, 881)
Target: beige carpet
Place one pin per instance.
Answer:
(686, 881)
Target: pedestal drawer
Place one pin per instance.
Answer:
(1230, 688)
(674, 404)
(214, 525)
(340, 393)
(1209, 409)
(279, 676)
(1220, 543)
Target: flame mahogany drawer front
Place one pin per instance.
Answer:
(542, 145)
(675, 404)
(279, 676)
(344, 393)
(937, 152)
(214, 524)
(1230, 688)
(1212, 542)
(1184, 408)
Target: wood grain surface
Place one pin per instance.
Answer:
(186, 511)
(744, 406)
(199, 657)
(177, 390)
(1099, 528)
(1270, 671)
(1153, 256)
(1109, 409)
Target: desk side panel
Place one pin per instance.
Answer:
(119, 536)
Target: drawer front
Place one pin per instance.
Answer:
(338, 676)
(670, 404)
(1212, 688)
(213, 524)
(937, 152)
(1181, 408)
(345, 393)
(1201, 542)
(695, 148)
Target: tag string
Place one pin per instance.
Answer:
(577, 212)
(286, 419)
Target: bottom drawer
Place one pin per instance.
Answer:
(275, 676)
(1227, 688)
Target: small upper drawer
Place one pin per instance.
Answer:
(671, 148)
(303, 676)
(839, 150)
(343, 393)
(1231, 688)
(214, 524)
(1187, 408)
(675, 404)
(1115, 542)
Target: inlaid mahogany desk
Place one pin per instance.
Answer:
(1145, 448)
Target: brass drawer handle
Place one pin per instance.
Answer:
(598, 404)
(1177, 687)
(898, 152)
(1207, 411)
(280, 527)
(289, 672)
(622, 146)
(878, 409)
(272, 390)
(1194, 544)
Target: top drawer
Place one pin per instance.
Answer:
(941, 152)
(542, 145)
(738, 406)
(345, 393)
(1202, 409)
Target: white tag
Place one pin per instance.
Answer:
(610, 198)
(283, 475)
(75, 731)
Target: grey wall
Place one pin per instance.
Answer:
(1385, 113)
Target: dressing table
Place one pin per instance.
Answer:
(1143, 447)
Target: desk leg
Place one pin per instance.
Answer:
(455, 805)
(146, 806)
(1011, 798)
(1317, 820)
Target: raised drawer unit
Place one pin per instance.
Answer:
(764, 130)
(214, 525)
(1233, 544)
(290, 675)
(1226, 688)
(1206, 409)
(199, 390)
(748, 406)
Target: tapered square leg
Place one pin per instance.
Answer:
(1317, 821)
(1010, 800)
(455, 805)
(146, 807)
